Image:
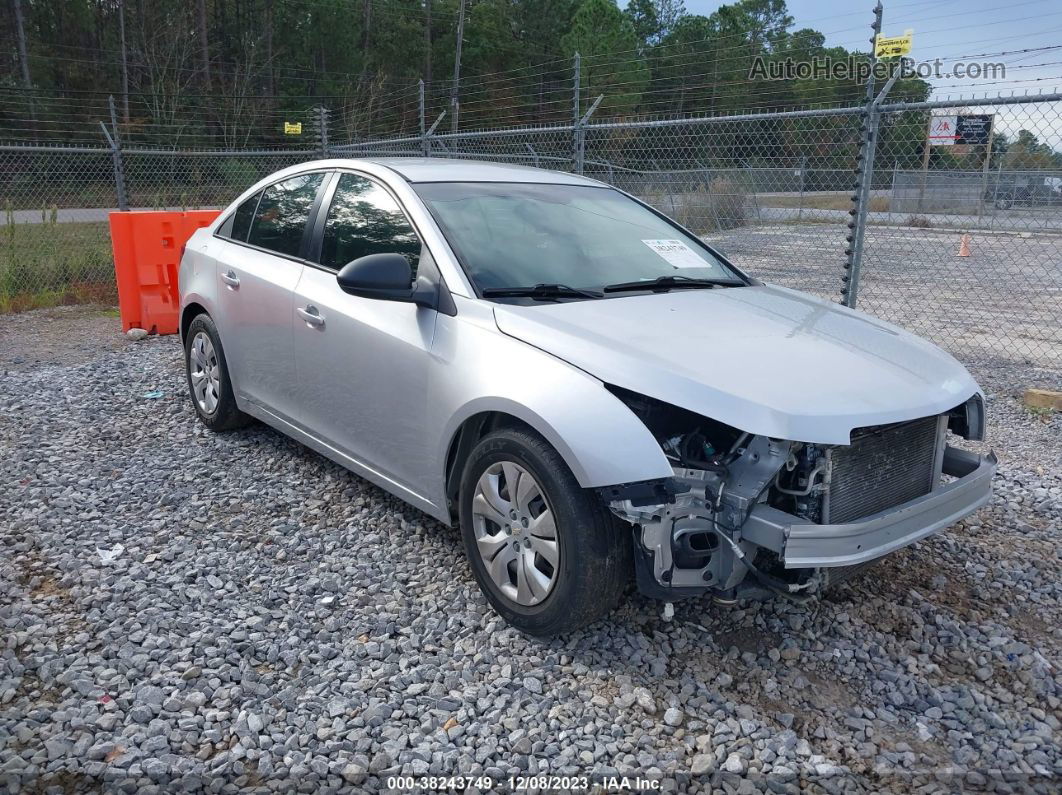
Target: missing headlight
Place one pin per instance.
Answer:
(968, 420)
(688, 439)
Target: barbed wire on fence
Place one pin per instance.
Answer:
(772, 188)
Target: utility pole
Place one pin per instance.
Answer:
(125, 61)
(366, 20)
(23, 58)
(204, 44)
(20, 30)
(427, 43)
(457, 67)
(270, 85)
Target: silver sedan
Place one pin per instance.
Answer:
(594, 394)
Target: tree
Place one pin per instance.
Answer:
(1028, 152)
(651, 20)
(611, 66)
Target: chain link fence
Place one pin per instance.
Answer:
(961, 243)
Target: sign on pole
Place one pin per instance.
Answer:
(968, 130)
(974, 130)
(293, 128)
(891, 46)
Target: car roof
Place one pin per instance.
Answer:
(441, 169)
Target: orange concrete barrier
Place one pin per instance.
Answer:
(147, 252)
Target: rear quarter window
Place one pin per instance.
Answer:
(279, 221)
(238, 224)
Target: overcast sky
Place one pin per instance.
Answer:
(948, 29)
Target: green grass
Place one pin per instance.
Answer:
(53, 263)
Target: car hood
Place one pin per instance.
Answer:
(762, 359)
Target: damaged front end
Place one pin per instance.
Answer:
(747, 516)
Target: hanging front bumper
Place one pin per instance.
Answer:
(802, 545)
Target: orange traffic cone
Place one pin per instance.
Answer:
(964, 246)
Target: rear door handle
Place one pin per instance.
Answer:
(231, 279)
(311, 316)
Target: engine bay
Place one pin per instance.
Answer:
(692, 533)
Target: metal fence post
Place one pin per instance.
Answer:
(864, 176)
(892, 185)
(116, 158)
(426, 137)
(425, 150)
(985, 165)
(580, 135)
(577, 165)
(322, 130)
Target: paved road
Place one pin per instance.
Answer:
(1010, 220)
(68, 215)
(1015, 220)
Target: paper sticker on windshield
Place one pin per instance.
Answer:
(677, 253)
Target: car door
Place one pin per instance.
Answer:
(257, 272)
(362, 363)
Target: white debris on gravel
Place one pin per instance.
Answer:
(274, 622)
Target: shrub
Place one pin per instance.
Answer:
(719, 205)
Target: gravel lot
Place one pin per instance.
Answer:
(182, 610)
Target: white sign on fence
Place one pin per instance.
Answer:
(943, 130)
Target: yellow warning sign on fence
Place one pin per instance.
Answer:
(891, 46)
(293, 128)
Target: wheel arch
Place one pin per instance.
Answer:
(191, 310)
(464, 439)
(615, 448)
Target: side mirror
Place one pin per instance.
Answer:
(387, 277)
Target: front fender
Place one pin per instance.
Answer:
(600, 439)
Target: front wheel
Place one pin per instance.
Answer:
(547, 554)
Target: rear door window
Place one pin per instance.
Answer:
(279, 222)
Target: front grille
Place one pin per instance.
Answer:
(885, 466)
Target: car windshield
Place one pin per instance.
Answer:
(512, 235)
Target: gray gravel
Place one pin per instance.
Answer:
(182, 610)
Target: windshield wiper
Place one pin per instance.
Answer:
(665, 283)
(543, 291)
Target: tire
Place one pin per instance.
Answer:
(594, 565)
(217, 410)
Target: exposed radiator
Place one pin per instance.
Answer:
(884, 466)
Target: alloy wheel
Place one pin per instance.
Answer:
(204, 372)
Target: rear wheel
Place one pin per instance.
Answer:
(546, 553)
(208, 377)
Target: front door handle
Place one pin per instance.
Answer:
(231, 279)
(311, 316)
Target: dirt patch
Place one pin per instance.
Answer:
(61, 335)
(44, 587)
(748, 639)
